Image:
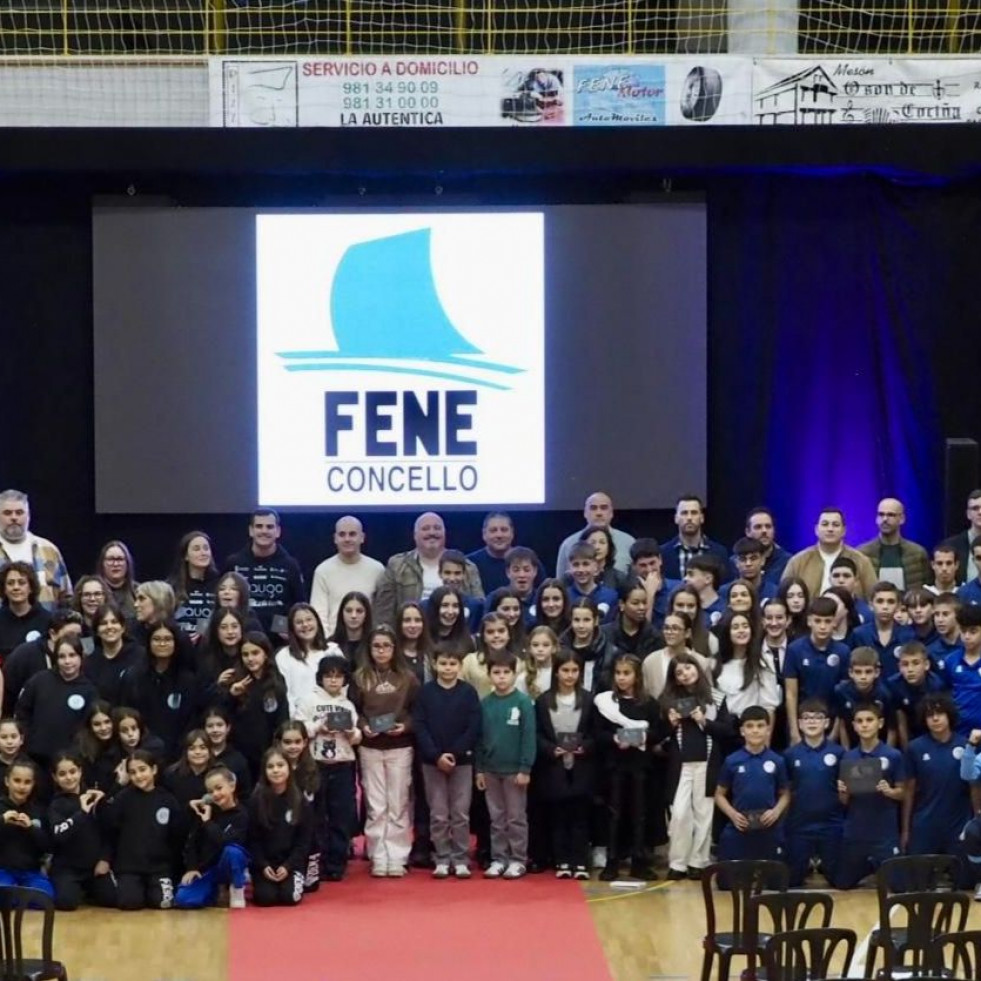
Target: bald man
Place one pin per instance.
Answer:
(349, 569)
(598, 510)
(413, 575)
(895, 559)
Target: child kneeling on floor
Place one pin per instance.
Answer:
(215, 853)
(280, 832)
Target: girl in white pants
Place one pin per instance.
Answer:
(702, 727)
(383, 690)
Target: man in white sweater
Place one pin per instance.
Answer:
(349, 570)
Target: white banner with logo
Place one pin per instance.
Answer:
(401, 358)
(803, 92)
(480, 91)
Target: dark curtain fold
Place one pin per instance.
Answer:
(843, 347)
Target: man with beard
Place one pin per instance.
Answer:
(760, 525)
(19, 544)
(813, 564)
(274, 576)
(689, 516)
(413, 575)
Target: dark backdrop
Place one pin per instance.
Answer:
(843, 348)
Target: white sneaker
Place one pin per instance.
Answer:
(515, 870)
(977, 894)
(462, 871)
(442, 871)
(599, 857)
(563, 872)
(236, 897)
(495, 870)
(397, 871)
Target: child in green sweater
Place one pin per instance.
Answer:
(505, 755)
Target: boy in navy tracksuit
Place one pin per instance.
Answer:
(962, 670)
(446, 719)
(945, 608)
(814, 664)
(907, 688)
(753, 792)
(937, 805)
(883, 634)
(860, 687)
(215, 852)
(871, 833)
(814, 821)
(582, 582)
(704, 573)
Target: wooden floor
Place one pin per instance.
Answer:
(651, 935)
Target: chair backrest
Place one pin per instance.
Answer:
(791, 910)
(14, 902)
(927, 916)
(801, 955)
(743, 879)
(916, 873)
(959, 952)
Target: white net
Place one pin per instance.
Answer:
(155, 28)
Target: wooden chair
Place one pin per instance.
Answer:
(801, 955)
(909, 948)
(908, 873)
(787, 911)
(964, 954)
(743, 880)
(15, 901)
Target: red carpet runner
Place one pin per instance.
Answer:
(417, 929)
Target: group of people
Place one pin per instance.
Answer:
(164, 740)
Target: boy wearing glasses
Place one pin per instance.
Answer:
(815, 819)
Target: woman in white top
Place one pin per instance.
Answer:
(297, 662)
(677, 640)
(744, 672)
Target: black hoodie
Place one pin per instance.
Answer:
(146, 830)
(51, 710)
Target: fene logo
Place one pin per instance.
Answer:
(400, 358)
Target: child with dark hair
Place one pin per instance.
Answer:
(907, 688)
(214, 853)
(962, 670)
(185, 778)
(446, 718)
(937, 804)
(24, 839)
(257, 697)
(871, 833)
(146, 830)
(448, 620)
(564, 774)
(218, 728)
(551, 606)
(79, 869)
(814, 664)
(883, 634)
(505, 756)
(292, 739)
(354, 624)
(815, 819)
(331, 723)
(753, 792)
(587, 641)
(280, 832)
(628, 727)
(701, 727)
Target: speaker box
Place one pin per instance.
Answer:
(961, 476)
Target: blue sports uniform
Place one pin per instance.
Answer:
(871, 833)
(964, 681)
(942, 800)
(814, 822)
(817, 671)
(754, 782)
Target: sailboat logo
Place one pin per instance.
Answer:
(385, 311)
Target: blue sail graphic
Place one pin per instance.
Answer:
(384, 306)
